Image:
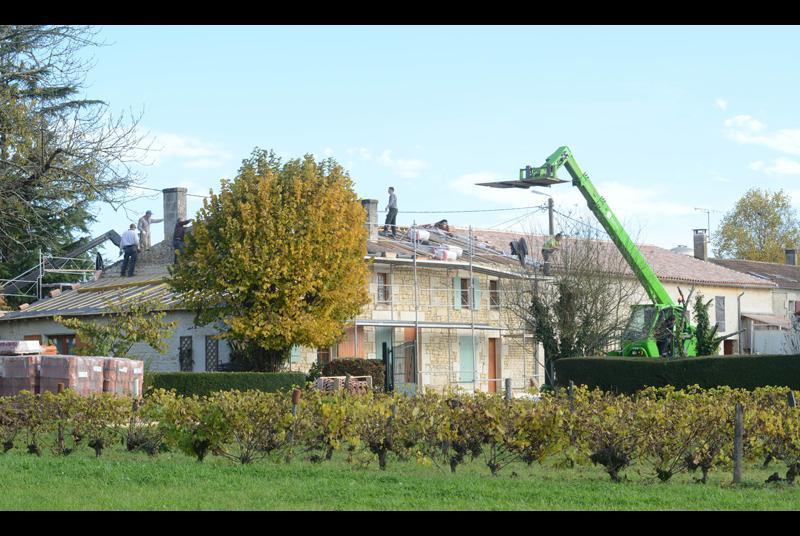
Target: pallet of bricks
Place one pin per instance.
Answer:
(354, 384)
(24, 366)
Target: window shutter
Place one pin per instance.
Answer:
(295, 354)
(476, 293)
(456, 293)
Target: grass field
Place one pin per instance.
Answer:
(121, 480)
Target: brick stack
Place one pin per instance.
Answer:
(83, 374)
(123, 376)
(18, 373)
(43, 370)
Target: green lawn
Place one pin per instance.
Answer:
(121, 480)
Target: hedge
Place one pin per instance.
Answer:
(203, 383)
(630, 374)
(358, 367)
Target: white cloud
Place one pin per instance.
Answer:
(362, 152)
(194, 153)
(721, 104)
(780, 166)
(746, 129)
(403, 167)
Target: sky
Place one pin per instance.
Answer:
(664, 119)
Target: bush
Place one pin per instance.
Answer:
(204, 383)
(358, 367)
(631, 374)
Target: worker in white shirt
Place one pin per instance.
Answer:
(129, 245)
(144, 229)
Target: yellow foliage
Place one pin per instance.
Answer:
(278, 254)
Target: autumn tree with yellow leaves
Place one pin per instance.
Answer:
(277, 258)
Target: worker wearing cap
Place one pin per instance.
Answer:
(144, 229)
(129, 245)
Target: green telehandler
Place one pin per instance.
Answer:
(659, 329)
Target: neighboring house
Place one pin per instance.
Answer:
(768, 333)
(736, 296)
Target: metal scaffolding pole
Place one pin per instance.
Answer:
(472, 310)
(417, 356)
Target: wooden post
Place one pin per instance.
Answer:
(791, 400)
(570, 395)
(347, 382)
(509, 395)
(59, 387)
(738, 430)
(296, 394)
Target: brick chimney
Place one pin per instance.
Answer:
(371, 206)
(701, 244)
(791, 256)
(174, 210)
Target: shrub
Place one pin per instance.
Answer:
(631, 374)
(358, 367)
(205, 383)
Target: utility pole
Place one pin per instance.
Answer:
(551, 227)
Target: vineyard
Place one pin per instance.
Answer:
(664, 430)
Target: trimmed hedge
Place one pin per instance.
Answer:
(630, 374)
(204, 383)
(358, 367)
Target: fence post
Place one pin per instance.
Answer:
(509, 395)
(791, 400)
(738, 431)
(571, 397)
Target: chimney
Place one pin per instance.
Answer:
(700, 244)
(371, 206)
(174, 210)
(791, 256)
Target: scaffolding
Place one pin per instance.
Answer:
(30, 284)
(514, 340)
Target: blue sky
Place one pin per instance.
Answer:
(664, 119)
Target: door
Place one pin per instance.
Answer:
(466, 359)
(727, 347)
(492, 365)
(405, 362)
(383, 350)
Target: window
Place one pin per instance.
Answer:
(794, 308)
(719, 311)
(185, 360)
(295, 355)
(464, 292)
(384, 288)
(212, 353)
(323, 356)
(64, 343)
(494, 294)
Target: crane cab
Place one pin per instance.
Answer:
(652, 331)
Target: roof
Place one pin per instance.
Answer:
(784, 276)
(668, 266)
(92, 298)
(772, 320)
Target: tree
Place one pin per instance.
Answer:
(583, 308)
(59, 152)
(126, 323)
(707, 342)
(758, 228)
(277, 257)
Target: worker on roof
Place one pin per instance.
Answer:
(177, 236)
(144, 228)
(391, 214)
(550, 247)
(129, 246)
